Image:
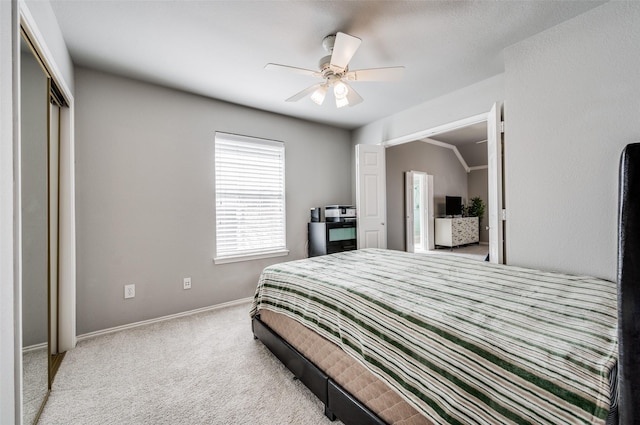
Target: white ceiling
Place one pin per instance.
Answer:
(470, 142)
(219, 48)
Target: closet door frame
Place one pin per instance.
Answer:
(67, 225)
(66, 259)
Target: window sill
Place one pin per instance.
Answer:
(236, 259)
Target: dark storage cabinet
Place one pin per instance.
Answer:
(331, 237)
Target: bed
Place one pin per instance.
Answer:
(384, 336)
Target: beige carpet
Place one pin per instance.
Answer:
(35, 382)
(200, 369)
(474, 251)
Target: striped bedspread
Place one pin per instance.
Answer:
(463, 341)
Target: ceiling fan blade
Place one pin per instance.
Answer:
(344, 48)
(306, 92)
(376, 74)
(352, 96)
(292, 69)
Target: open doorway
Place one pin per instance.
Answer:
(419, 211)
(471, 144)
(491, 123)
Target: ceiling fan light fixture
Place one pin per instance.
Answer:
(334, 70)
(319, 94)
(340, 90)
(342, 102)
(341, 93)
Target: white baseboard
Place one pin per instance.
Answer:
(35, 347)
(163, 318)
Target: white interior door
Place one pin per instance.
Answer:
(494, 160)
(371, 202)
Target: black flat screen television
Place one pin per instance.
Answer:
(453, 205)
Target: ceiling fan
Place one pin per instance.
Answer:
(334, 69)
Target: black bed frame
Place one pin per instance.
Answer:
(339, 403)
(629, 287)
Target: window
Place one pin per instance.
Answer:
(250, 204)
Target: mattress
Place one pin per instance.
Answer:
(345, 371)
(460, 341)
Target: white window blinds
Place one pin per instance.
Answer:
(250, 203)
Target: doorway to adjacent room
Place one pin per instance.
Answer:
(494, 147)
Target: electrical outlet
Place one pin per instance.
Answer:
(129, 291)
(186, 283)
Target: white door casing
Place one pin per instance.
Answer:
(409, 203)
(431, 230)
(371, 202)
(494, 159)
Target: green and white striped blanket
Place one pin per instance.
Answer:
(463, 341)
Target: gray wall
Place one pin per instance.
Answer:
(145, 196)
(47, 25)
(449, 178)
(463, 103)
(478, 185)
(572, 103)
(466, 102)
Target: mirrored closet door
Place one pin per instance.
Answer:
(40, 104)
